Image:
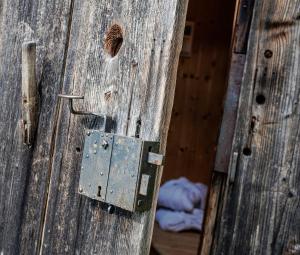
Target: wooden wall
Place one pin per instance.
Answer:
(259, 208)
(201, 85)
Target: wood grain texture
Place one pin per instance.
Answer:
(212, 209)
(261, 208)
(242, 22)
(230, 113)
(23, 170)
(136, 88)
(200, 90)
(170, 243)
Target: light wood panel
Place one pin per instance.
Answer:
(200, 89)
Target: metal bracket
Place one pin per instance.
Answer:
(107, 120)
(232, 167)
(119, 170)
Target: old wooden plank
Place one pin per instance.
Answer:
(215, 194)
(261, 210)
(239, 49)
(29, 93)
(135, 86)
(230, 113)
(24, 170)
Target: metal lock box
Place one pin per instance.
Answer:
(119, 170)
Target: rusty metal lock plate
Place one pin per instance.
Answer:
(119, 170)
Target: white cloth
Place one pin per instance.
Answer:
(182, 195)
(179, 221)
(182, 205)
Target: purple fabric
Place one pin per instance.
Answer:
(182, 195)
(179, 221)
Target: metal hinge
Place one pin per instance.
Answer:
(118, 170)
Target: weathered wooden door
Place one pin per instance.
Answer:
(122, 56)
(259, 209)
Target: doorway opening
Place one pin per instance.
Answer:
(198, 105)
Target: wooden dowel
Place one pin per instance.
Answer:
(29, 92)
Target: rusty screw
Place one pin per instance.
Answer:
(104, 144)
(134, 63)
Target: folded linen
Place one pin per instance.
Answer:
(179, 221)
(182, 195)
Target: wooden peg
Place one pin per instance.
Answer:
(29, 93)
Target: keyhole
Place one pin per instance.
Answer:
(99, 191)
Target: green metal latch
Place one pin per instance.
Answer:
(118, 170)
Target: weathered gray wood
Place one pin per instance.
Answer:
(24, 171)
(230, 113)
(135, 86)
(262, 207)
(212, 209)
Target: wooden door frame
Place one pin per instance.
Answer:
(221, 176)
(254, 208)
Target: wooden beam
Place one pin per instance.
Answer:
(215, 195)
(230, 113)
